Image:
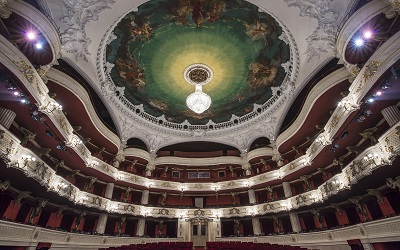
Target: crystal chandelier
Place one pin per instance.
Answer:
(198, 75)
(198, 101)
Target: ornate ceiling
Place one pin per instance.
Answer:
(134, 53)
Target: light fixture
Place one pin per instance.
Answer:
(198, 75)
(367, 34)
(371, 100)
(31, 35)
(359, 42)
(39, 46)
(198, 101)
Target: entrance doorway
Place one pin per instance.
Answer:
(199, 233)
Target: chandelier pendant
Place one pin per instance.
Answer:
(198, 75)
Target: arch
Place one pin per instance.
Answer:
(260, 142)
(136, 143)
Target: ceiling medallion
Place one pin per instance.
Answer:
(198, 74)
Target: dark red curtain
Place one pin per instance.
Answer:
(267, 226)
(151, 228)
(172, 227)
(5, 201)
(66, 221)
(374, 209)
(287, 226)
(394, 200)
(227, 228)
(130, 227)
(110, 226)
(330, 219)
(352, 215)
(309, 222)
(247, 227)
(44, 217)
(23, 212)
(88, 225)
(387, 245)
(244, 199)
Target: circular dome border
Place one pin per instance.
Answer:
(138, 114)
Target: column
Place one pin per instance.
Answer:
(102, 221)
(287, 189)
(294, 218)
(140, 227)
(255, 221)
(6, 117)
(142, 221)
(145, 197)
(214, 229)
(391, 115)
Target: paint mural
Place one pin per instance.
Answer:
(156, 43)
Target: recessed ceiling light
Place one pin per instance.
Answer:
(359, 42)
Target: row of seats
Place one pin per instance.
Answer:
(248, 246)
(156, 246)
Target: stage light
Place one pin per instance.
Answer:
(371, 100)
(378, 93)
(367, 34)
(359, 42)
(31, 35)
(39, 45)
(16, 93)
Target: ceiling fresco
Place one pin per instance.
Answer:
(156, 43)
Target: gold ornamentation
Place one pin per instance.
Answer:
(26, 70)
(198, 75)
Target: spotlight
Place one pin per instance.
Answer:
(359, 42)
(16, 93)
(49, 134)
(31, 35)
(360, 118)
(23, 100)
(61, 146)
(368, 112)
(367, 34)
(386, 86)
(371, 100)
(39, 45)
(378, 93)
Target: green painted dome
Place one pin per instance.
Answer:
(162, 38)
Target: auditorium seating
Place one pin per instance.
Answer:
(248, 246)
(155, 246)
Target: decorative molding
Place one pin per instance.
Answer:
(80, 13)
(369, 160)
(135, 114)
(322, 40)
